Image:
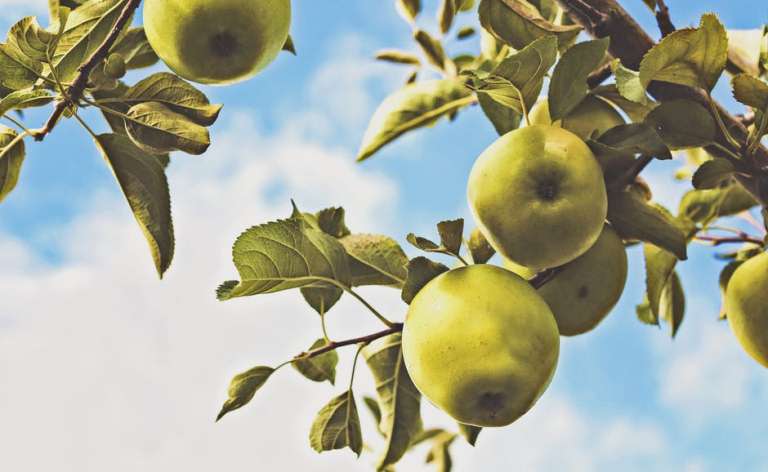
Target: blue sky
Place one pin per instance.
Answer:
(101, 363)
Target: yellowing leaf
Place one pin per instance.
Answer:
(414, 106)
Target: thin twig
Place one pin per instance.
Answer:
(541, 278)
(718, 240)
(663, 19)
(396, 328)
(599, 75)
(75, 91)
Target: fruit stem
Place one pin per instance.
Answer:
(333, 345)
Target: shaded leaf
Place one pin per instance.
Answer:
(373, 407)
(134, 47)
(175, 93)
(628, 83)
(375, 260)
(414, 106)
(243, 387)
(465, 33)
(439, 454)
(693, 57)
(636, 111)
(432, 48)
(22, 99)
(672, 303)
(451, 234)
(337, 425)
(659, 266)
(321, 298)
(711, 173)
(409, 9)
(445, 14)
(12, 154)
(318, 368)
(285, 254)
(479, 247)
(143, 181)
(633, 218)
(683, 124)
(30, 39)
(470, 432)
(399, 400)
(420, 271)
(398, 57)
(518, 23)
(331, 221)
(703, 206)
(568, 85)
(289, 46)
(157, 129)
(503, 118)
(751, 91)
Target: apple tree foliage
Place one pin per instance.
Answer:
(80, 59)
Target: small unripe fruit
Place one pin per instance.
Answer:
(746, 306)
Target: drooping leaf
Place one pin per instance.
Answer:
(11, 159)
(431, 47)
(157, 129)
(672, 303)
(337, 425)
(503, 118)
(445, 14)
(399, 400)
(143, 181)
(375, 260)
(479, 247)
(398, 57)
(693, 57)
(243, 387)
(659, 266)
(322, 297)
(751, 91)
(703, 206)
(175, 93)
(318, 368)
(683, 124)
(409, 9)
(568, 86)
(414, 106)
(420, 271)
(633, 218)
(439, 454)
(285, 254)
(331, 221)
(22, 99)
(712, 173)
(518, 23)
(645, 314)
(636, 111)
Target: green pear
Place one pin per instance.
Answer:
(217, 42)
(538, 195)
(481, 344)
(592, 114)
(746, 306)
(586, 289)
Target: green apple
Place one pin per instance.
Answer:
(538, 195)
(217, 42)
(592, 114)
(586, 289)
(481, 344)
(746, 306)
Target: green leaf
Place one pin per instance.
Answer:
(22, 99)
(431, 47)
(465, 33)
(568, 86)
(693, 57)
(375, 260)
(337, 426)
(672, 303)
(683, 124)
(398, 57)
(399, 400)
(11, 158)
(636, 111)
(520, 74)
(451, 234)
(319, 368)
(712, 173)
(157, 129)
(504, 119)
(659, 266)
(703, 206)
(414, 106)
(445, 15)
(439, 454)
(243, 387)
(470, 432)
(479, 247)
(87, 28)
(518, 23)
(143, 181)
(17, 71)
(645, 314)
(321, 298)
(331, 221)
(650, 4)
(175, 93)
(30, 39)
(633, 218)
(420, 271)
(751, 91)
(135, 49)
(283, 255)
(636, 138)
(423, 243)
(409, 9)
(289, 45)
(628, 83)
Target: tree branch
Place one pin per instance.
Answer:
(75, 91)
(663, 19)
(718, 240)
(333, 345)
(629, 42)
(541, 278)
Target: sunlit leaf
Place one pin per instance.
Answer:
(568, 86)
(375, 260)
(243, 387)
(158, 129)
